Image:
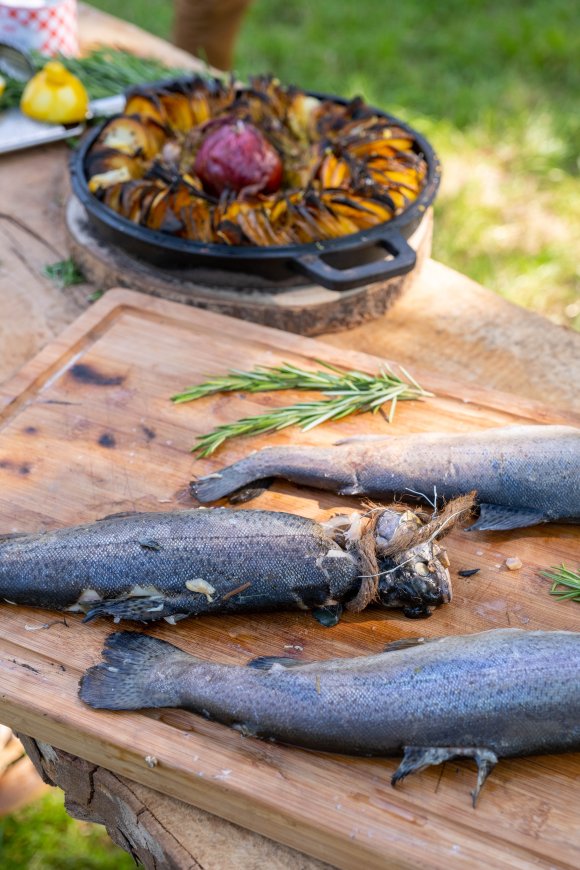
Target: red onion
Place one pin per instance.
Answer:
(234, 156)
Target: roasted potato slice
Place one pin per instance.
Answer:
(146, 104)
(133, 135)
(106, 166)
(178, 111)
(109, 178)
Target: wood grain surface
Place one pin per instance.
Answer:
(110, 374)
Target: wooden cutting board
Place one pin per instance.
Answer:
(86, 429)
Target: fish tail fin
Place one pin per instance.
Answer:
(229, 480)
(493, 517)
(135, 673)
(320, 467)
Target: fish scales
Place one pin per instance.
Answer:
(523, 474)
(148, 565)
(498, 693)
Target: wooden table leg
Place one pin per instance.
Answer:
(160, 832)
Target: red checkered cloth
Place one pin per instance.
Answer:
(49, 27)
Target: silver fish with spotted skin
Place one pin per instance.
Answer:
(523, 475)
(485, 696)
(149, 566)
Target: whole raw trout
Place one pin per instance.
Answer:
(523, 475)
(148, 566)
(498, 693)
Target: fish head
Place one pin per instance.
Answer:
(415, 580)
(413, 571)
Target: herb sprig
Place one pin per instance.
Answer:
(64, 273)
(346, 392)
(565, 583)
(104, 72)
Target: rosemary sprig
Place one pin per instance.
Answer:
(346, 392)
(289, 377)
(565, 583)
(64, 273)
(104, 72)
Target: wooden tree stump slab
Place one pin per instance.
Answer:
(307, 310)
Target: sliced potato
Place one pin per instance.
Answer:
(146, 104)
(109, 178)
(178, 111)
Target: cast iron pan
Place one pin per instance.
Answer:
(338, 264)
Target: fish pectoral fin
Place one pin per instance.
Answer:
(351, 489)
(266, 663)
(417, 758)
(141, 609)
(10, 536)
(253, 490)
(496, 517)
(328, 615)
(406, 642)
(118, 515)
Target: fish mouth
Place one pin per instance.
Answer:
(413, 567)
(415, 581)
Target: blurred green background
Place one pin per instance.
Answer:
(495, 87)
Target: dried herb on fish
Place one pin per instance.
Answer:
(566, 583)
(348, 392)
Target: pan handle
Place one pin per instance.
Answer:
(403, 260)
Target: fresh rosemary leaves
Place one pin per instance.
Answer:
(346, 392)
(104, 72)
(565, 583)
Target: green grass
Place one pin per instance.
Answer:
(494, 85)
(43, 837)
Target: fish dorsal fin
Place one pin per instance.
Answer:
(266, 663)
(254, 490)
(406, 642)
(495, 517)
(118, 515)
(11, 536)
(361, 439)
